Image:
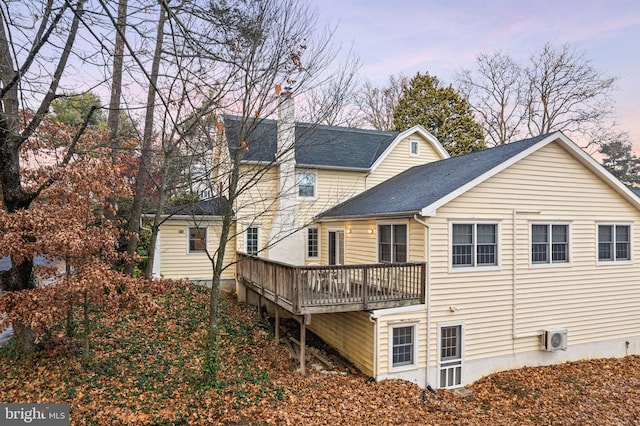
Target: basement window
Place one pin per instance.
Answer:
(403, 346)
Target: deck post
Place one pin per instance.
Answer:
(277, 325)
(365, 288)
(296, 296)
(303, 342)
(423, 281)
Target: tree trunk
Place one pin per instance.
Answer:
(18, 277)
(218, 265)
(85, 312)
(155, 228)
(14, 197)
(147, 139)
(24, 337)
(113, 119)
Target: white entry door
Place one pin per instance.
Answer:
(450, 359)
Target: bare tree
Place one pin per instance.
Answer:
(566, 93)
(558, 89)
(19, 69)
(113, 119)
(377, 104)
(246, 53)
(332, 101)
(147, 140)
(42, 59)
(496, 92)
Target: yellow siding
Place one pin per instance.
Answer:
(419, 318)
(257, 204)
(177, 262)
(399, 159)
(350, 333)
(361, 246)
(595, 302)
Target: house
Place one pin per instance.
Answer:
(187, 233)
(448, 269)
(328, 165)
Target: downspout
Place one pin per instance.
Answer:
(374, 320)
(427, 296)
(515, 276)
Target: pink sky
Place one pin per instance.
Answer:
(407, 36)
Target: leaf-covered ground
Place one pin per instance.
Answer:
(148, 369)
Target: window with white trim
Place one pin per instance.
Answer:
(392, 243)
(403, 345)
(549, 243)
(614, 243)
(413, 148)
(197, 239)
(313, 243)
(252, 240)
(306, 181)
(450, 356)
(474, 244)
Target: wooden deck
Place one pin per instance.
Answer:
(304, 290)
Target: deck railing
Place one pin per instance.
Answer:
(333, 288)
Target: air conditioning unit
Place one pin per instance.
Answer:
(554, 339)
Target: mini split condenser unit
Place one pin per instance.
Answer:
(554, 339)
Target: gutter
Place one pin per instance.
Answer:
(184, 217)
(307, 166)
(405, 214)
(374, 320)
(326, 167)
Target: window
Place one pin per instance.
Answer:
(252, 240)
(474, 244)
(450, 356)
(306, 184)
(392, 243)
(313, 243)
(413, 148)
(549, 243)
(403, 346)
(197, 239)
(336, 246)
(614, 243)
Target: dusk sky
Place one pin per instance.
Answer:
(441, 37)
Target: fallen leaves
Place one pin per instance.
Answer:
(147, 369)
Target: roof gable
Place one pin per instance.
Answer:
(423, 189)
(322, 146)
(419, 130)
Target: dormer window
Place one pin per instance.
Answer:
(306, 184)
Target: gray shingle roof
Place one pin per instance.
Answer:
(421, 186)
(316, 145)
(211, 207)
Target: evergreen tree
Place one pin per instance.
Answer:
(621, 161)
(442, 111)
(73, 109)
